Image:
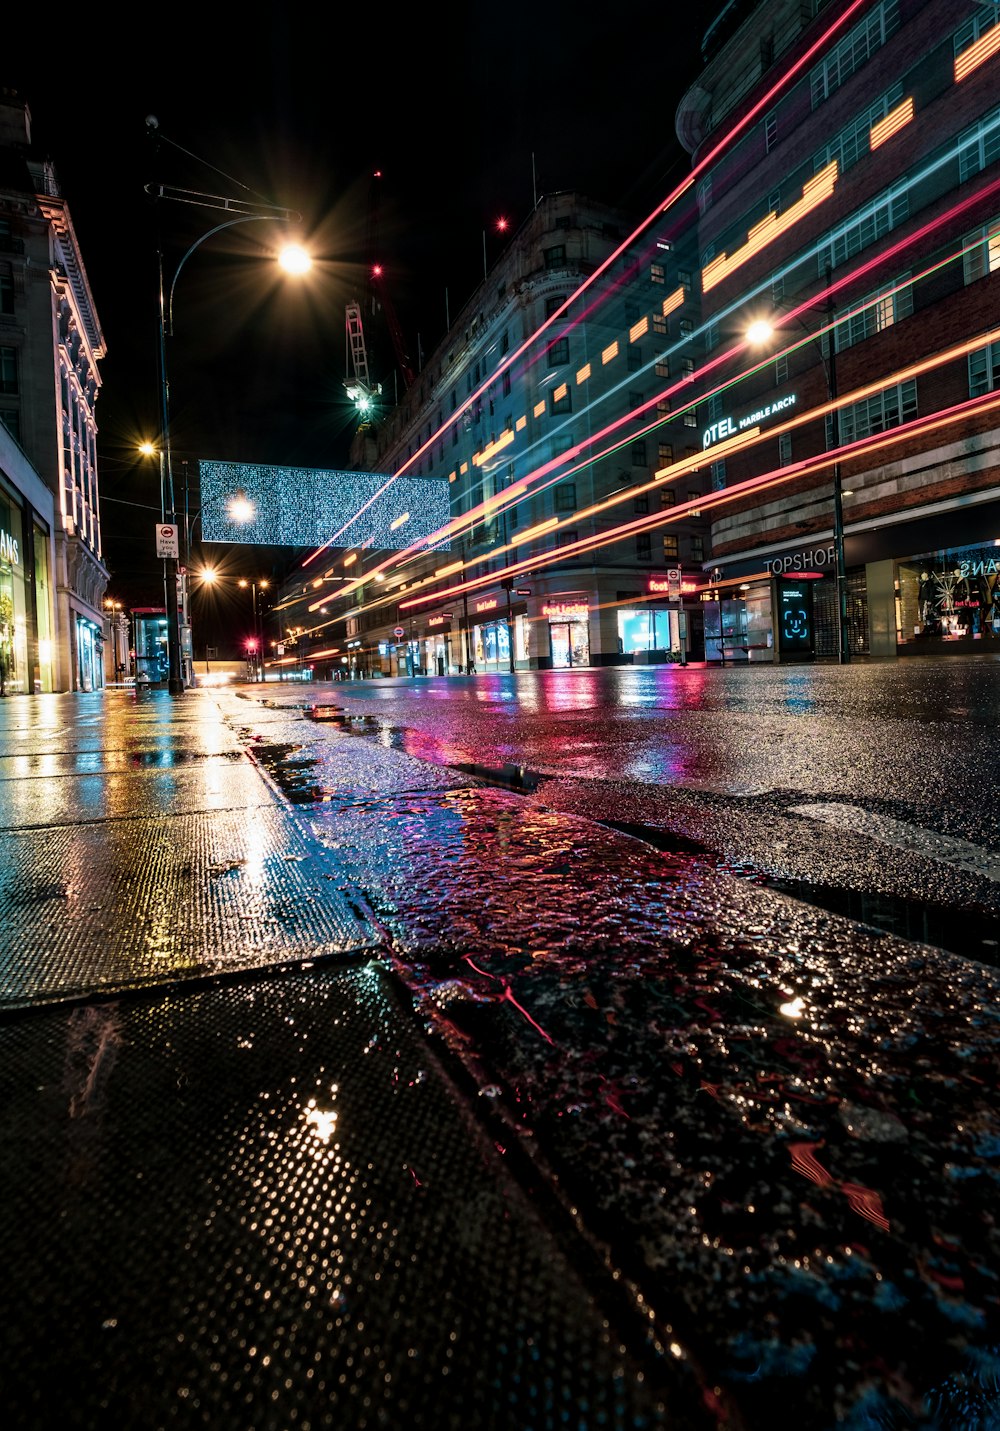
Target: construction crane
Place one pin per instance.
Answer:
(361, 389)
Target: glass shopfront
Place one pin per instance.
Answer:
(14, 606)
(949, 599)
(649, 630)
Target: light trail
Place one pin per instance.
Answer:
(802, 63)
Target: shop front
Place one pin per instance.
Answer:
(568, 623)
(26, 649)
(949, 600)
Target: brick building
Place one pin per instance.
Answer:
(846, 158)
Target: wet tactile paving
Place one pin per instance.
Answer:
(102, 906)
(261, 1207)
(127, 789)
(784, 1127)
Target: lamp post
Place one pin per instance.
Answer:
(759, 332)
(293, 259)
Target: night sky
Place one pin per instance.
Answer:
(466, 122)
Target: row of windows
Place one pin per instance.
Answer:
(854, 50)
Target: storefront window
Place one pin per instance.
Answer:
(43, 670)
(647, 630)
(949, 596)
(13, 607)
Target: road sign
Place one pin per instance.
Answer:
(167, 540)
(522, 591)
(674, 583)
(398, 631)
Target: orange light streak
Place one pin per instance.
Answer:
(894, 121)
(815, 192)
(917, 428)
(977, 54)
(804, 61)
(673, 301)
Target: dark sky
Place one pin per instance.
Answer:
(466, 118)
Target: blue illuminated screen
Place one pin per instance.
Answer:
(309, 506)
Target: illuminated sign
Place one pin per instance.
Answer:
(440, 620)
(731, 427)
(8, 548)
(490, 604)
(795, 608)
(567, 610)
(803, 561)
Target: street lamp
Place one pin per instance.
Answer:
(760, 332)
(293, 259)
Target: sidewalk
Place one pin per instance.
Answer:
(239, 1189)
(404, 1101)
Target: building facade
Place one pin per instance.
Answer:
(50, 347)
(542, 409)
(846, 157)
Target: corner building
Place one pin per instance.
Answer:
(847, 167)
(570, 542)
(52, 573)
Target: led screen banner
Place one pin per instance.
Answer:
(250, 505)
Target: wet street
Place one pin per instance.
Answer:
(635, 1126)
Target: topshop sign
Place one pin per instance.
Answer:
(810, 560)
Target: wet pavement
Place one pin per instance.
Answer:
(506, 1119)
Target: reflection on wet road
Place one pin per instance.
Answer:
(783, 1126)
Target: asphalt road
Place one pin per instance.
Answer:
(871, 790)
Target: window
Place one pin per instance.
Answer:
(665, 454)
(640, 504)
(634, 358)
(639, 452)
(565, 539)
(770, 131)
(662, 407)
(853, 141)
(687, 367)
(711, 337)
(714, 406)
(877, 310)
(6, 288)
(671, 549)
(979, 146)
(694, 494)
(878, 413)
(857, 46)
(565, 497)
(552, 305)
(561, 400)
(11, 420)
(643, 546)
(656, 273)
(685, 327)
(555, 257)
(559, 353)
(659, 324)
(684, 277)
(982, 251)
(635, 400)
(631, 314)
(690, 418)
(697, 545)
(505, 384)
(784, 449)
(668, 497)
(718, 474)
(662, 368)
(984, 370)
(781, 370)
(880, 217)
(967, 34)
(777, 287)
(8, 371)
(705, 195)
